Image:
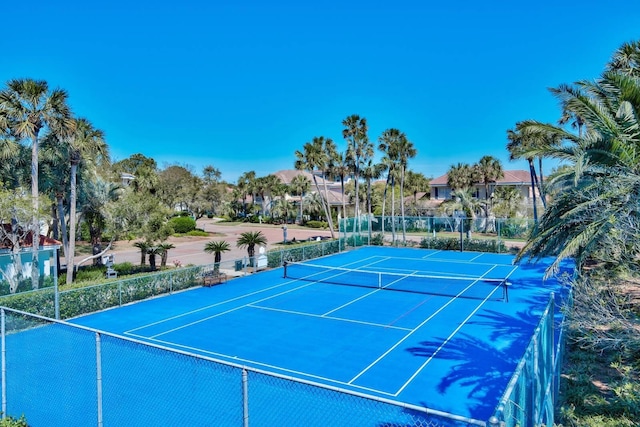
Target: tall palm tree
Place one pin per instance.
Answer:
(31, 107)
(217, 248)
(246, 183)
(340, 168)
(593, 213)
(359, 150)
(314, 157)
(518, 146)
(406, 151)
(388, 143)
(300, 185)
(144, 246)
(371, 171)
(460, 176)
(249, 240)
(416, 182)
(163, 250)
(86, 143)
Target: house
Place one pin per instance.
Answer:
(519, 179)
(47, 256)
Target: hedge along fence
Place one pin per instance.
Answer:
(453, 244)
(76, 302)
(301, 252)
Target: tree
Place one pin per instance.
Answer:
(144, 169)
(593, 212)
(217, 248)
(371, 171)
(461, 176)
(250, 239)
(488, 170)
(359, 150)
(300, 185)
(314, 157)
(30, 107)
(519, 146)
(163, 249)
(416, 182)
(388, 144)
(144, 248)
(340, 167)
(406, 151)
(246, 184)
(85, 144)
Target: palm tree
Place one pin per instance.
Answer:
(371, 171)
(163, 250)
(313, 204)
(488, 171)
(300, 185)
(406, 151)
(460, 176)
(518, 146)
(340, 168)
(283, 208)
(217, 248)
(250, 239)
(144, 247)
(359, 150)
(388, 144)
(315, 157)
(246, 184)
(593, 213)
(86, 143)
(415, 182)
(153, 251)
(30, 107)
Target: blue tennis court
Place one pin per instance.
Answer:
(441, 330)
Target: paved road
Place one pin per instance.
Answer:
(190, 250)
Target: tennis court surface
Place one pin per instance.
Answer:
(425, 328)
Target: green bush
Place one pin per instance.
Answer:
(12, 422)
(182, 224)
(124, 268)
(453, 244)
(316, 224)
(377, 240)
(276, 257)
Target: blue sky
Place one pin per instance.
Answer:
(242, 85)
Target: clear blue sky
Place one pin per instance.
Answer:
(242, 85)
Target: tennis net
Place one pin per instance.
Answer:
(483, 288)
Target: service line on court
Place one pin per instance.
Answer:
(324, 316)
(444, 343)
(415, 330)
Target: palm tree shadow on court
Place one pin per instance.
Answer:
(483, 367)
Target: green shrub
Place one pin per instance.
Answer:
(377, 239)
(198, 233)
(124, 268)
(12, 422)
(453, 244)
(182, 224)
(316, 224)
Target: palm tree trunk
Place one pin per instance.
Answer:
(35, 226)
(369, 207)
(541, 184)
(404, 227)
(327, 208)
(63, 226)
(384, 202)
(72, 223)
(393, 211)
(532, 171)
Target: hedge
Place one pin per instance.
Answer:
(453, 244)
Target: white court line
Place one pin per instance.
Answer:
(237, 359)
(464, 322)
(324, 316)
(209, 306)
(431, 254)
(475, 257)
(413, 330)
(229, 311)
(351, 302)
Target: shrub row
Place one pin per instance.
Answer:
(302, 252)
(453, 244)
(89, 299)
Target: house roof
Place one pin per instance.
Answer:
(26, 241)
(511, 177)
(287, 176)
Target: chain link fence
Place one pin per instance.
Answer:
(450, 233)
(59, 374)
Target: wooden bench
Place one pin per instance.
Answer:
(212, 278)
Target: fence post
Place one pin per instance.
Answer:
(245, 398)
(56, 296)
(99, 377)
(120, 293)
(4, 363)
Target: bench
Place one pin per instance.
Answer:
(212, 278)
